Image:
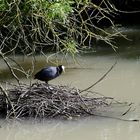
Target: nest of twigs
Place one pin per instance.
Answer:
(50, 101)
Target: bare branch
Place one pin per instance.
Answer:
(100, 78)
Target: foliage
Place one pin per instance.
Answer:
(31, 26)
(2, 5)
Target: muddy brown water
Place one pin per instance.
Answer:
(122, 83)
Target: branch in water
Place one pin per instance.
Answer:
(100, 78)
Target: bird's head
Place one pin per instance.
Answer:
(62, 68)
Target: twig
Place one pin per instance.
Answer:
(8, 99)
(9, 66)
(100, 78)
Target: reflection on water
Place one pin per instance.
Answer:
(122, 83)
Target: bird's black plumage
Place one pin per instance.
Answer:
(49, 73)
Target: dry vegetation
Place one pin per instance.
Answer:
(51, 101)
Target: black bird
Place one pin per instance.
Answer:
(49, 73)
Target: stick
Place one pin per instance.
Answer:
(100, 78)
(8, 99)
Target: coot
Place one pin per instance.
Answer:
(49, 73)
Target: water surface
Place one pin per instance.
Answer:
(122, 83)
